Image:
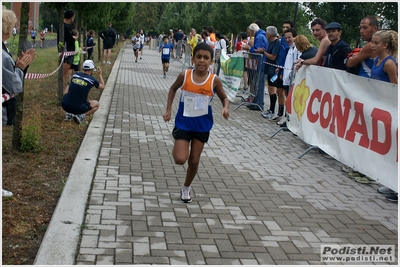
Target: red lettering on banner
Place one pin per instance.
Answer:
(385, 117)
(358, 126)
(339, 117)
(326, 100)
(335, 114)
(316, 95)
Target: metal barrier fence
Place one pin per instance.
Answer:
(179, 53)
(187, 63)
(253, 67)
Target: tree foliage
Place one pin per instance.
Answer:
(225, 17)
(349, 15)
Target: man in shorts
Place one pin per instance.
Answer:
(69, 16)
(75, 101)
(109, 36)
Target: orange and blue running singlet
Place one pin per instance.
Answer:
(195, 112)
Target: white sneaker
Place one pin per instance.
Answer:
(265, 114)
(104, 62)
(185, 194)
(68, 117)
(275, 117)
(6, 193)
(281, 121)
(108, 62)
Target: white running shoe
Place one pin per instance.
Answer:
(283, 120)
(185, 194)
(6, 193)
(275, 117)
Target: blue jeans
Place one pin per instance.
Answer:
(260, 88)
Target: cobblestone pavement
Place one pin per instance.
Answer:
(254, 203)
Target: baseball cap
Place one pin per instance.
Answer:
(89, 65)
(333, 25)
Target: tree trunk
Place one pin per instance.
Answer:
(99, 47)
(60, 47)
(23, 33)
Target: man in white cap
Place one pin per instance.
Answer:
(75, 101)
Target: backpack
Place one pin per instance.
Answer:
(356, 69)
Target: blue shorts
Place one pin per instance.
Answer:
(75, 109)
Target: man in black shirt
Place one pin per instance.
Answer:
(69, 41)
(109, 37)
(337, 52)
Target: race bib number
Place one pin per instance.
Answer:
(195, 106)
(165, 51)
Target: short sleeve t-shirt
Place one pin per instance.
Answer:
(78, 91)
(273, 48)
(166, 51)
(136, 42)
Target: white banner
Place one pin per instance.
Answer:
(351, 118)
(231, 73)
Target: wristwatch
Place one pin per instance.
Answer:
(301, 62)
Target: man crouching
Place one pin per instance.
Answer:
(75, 100)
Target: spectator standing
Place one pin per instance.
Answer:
(286, 78)
(75, 101)
(221, 42)
(284, 48)
(13, 73)
(108, 37)
(141, 40)
(161, 38)
(69, 17)
(136, 45)
(211, 41)
(239, 47)
(271, 54)
(304, 46)
(259, 46)
(178, 38)
(318, 28)
(194, 38)
(14, 33)
(368, 26)
(384, 45)
(90, 44)
(77, 56)
(166, 50)
(42, 36)
(338, 49)
(193, 125)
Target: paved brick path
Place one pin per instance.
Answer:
(254, 201)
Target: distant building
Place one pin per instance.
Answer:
(33, 14)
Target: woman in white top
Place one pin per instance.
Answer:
(220, 43)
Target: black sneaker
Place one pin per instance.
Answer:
(392, 197)
(78, 119)
(185, 194)
(385, 190)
